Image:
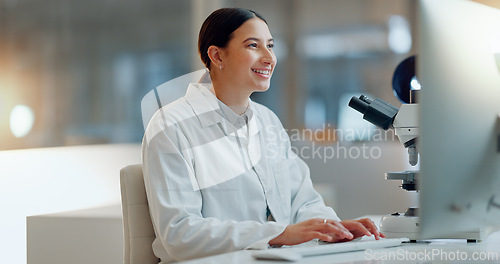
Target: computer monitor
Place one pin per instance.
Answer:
(459, 116)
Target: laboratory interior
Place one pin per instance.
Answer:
(76, 77)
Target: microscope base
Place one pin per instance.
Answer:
(398, 226)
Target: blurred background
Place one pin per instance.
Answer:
(74, 72)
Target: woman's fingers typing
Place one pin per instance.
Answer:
(363, 227)
(337, 230)
(370, 225)
(330, 230)
(327, 230)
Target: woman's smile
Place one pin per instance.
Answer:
(264, 73)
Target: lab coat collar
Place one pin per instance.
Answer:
(204, 104)
(207, 109)
(253, 125)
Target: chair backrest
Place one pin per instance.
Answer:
(168, 92)
(138, 230)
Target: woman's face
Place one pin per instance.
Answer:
(248, 59)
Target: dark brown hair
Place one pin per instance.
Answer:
(218, 28)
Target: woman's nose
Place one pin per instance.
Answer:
(268, 57)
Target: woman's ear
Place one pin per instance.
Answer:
(215, 55)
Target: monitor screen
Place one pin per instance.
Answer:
(459, 116)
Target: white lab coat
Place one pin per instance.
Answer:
(209, 184)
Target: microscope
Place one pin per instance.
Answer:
(404, 121)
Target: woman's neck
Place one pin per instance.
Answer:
(234, 99)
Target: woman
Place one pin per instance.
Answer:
(219, 171)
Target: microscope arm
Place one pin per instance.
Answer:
(406, 129)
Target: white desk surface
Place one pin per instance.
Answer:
(436, 251)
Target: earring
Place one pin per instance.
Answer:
(220, 66)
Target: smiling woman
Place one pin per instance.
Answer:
(218, 178)
(242, 54)
(246, 64)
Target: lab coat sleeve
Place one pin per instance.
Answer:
(306, 203)
(176, 205)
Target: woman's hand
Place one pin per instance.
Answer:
(322, 229)
(326, 230)
(361, 227)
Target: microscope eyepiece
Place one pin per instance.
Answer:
(365, 99)
(361, 104)
(377, 112)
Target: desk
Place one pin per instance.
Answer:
(93, 235)
(437, 251)
(43, 181)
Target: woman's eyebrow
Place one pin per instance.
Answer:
(257, 39)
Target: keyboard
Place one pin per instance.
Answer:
(297, 252)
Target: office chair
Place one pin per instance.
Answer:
(138, 230)
(168, 92)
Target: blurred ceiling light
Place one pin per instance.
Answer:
(21, 120)
(399, 37)
(359, 41)
(415, 84)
